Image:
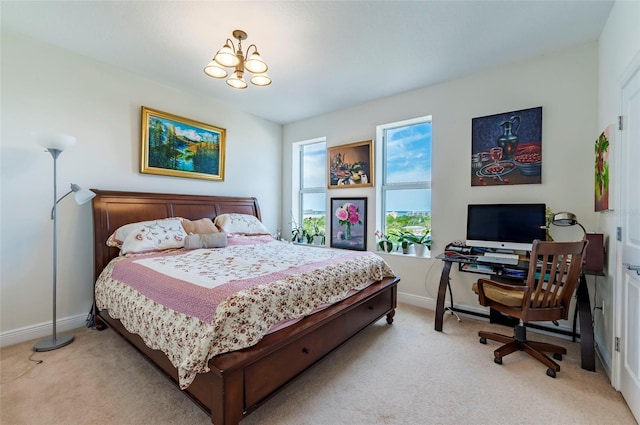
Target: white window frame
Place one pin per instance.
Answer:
(298, 189)
(381, 169)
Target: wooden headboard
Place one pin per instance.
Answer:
(112, 209)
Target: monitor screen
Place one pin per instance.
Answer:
(505, 226)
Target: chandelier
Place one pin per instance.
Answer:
(230, 57)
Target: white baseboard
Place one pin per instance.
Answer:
(430, 303)
(605, 360)
(417, 300)
(41, 330)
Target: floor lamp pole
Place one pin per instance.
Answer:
(55, 341)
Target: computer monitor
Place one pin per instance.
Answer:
(509, 227)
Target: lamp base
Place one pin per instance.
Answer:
(52, 343)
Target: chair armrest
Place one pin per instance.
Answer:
(502, 285)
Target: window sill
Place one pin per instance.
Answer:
(400, 254)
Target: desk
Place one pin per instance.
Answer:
(583, 307)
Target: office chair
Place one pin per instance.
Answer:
(554, 271)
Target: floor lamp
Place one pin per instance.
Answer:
(55, 145)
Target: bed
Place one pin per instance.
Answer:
(239, 381)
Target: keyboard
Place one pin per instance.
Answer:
(501, 255)
(510, 261)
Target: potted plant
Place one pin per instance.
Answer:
(297, 233)
(384, 243)
(318, 235)
(421, 243)
(312, 232)
(404, 239)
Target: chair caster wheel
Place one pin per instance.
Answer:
(483, 340)
(557, 356)
(498, 360)
(551, 373)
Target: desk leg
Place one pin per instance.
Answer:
(442, 292)
(587, 347)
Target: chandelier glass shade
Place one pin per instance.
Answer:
(230, 57)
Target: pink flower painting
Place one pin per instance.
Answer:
(348, 228)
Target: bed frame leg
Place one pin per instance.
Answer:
(99, 324)
(228, 392)
(390, 316)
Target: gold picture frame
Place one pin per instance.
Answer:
(180, 147)
(350, 165)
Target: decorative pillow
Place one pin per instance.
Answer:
(202, 226)
(240, 223)
(118, 237)
(206, 240)
(156, 236)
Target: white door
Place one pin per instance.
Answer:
(629, 258)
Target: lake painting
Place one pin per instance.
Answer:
(180, 147)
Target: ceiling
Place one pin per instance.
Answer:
(323, 56)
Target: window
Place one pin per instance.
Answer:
(311, 189)
(405, 166)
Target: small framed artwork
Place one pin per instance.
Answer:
(181, 147)
(350, 165)
(349, 223)
(506, 148)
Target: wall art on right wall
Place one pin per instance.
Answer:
(506, 148)
(602, 169)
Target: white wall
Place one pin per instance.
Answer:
(619, 46)
(48, 89)
(564, 84)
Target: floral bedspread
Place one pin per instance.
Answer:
(196, 304)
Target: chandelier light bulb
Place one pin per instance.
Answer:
(236, 81)
(213, 69)
(226, 56)
(231, 57)
(261, 79)
(255, 64)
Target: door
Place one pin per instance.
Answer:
(629, 258)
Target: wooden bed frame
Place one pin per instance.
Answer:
(239, 381)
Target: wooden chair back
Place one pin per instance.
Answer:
(554, 272)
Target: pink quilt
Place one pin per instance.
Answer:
(196, 304)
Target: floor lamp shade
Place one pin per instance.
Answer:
(82, 195)
(55, 146)
(59, 142)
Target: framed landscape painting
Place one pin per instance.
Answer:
(350, 165)
(181, 147)
(349, 223)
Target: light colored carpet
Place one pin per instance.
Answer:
(405, 373)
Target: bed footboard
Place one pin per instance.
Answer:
(240, 381)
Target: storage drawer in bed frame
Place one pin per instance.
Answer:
(273, 371)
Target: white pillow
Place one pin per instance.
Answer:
(118, 237)
(155, 236)
(241, 224)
